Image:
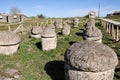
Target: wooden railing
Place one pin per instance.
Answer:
(111, 27)
(19, 29)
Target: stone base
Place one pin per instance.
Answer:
(35, 36)
(96, 39)
(9, 50)
(49, 43)
(72, 74)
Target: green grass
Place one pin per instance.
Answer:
(115, 17)
(35, 64)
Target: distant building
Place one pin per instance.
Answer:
(4, 17)
(109, 14)
(12, 18)
(116, 13)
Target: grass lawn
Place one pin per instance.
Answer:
(115, 17)
(35, 64)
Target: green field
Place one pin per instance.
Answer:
(115, 17)
(35, 64)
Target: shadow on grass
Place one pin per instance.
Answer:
(59, 33)
(55, 69)
(79, 33)
(81, 29)
(72, 42)
(39, 45)
(117, 71)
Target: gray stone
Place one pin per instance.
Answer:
(66, 29)
(49, 40)
(91, 32)
(48, 33)
(51, 26)
(92, 14)
(10, 74)
(76, 22)
(9, 42)
(36, 32)
(90, 60)
(58, 23)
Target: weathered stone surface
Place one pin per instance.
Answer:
(58, 23)
(92, 14)
(36, 32)
(49, 40)
(10, 74)
(67, 21)
(49, 43)
(76, 22)
(66, 29)
(90, 60)
(73, 74)
(48, 33)
(8, 38)
(91, 56)
(9, 42)
(91, 32)
(51, 26)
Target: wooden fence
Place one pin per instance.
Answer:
(111, 27)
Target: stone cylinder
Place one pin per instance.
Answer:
(58, 23)
(75, 22)
(9, 42)
(90, 60)
(66, 29)
(49, 40)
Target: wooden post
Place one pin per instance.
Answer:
(22, 27)
(101, 23)
(104, 25)
(113, 32)
(117, 33)
(109, 27)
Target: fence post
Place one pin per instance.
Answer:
(113, 32)
(117, 33)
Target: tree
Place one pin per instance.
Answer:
(40, 16)
(15, 10)
(86, 16)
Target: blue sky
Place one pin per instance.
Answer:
(60, 8)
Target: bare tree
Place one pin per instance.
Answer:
(15, 10)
